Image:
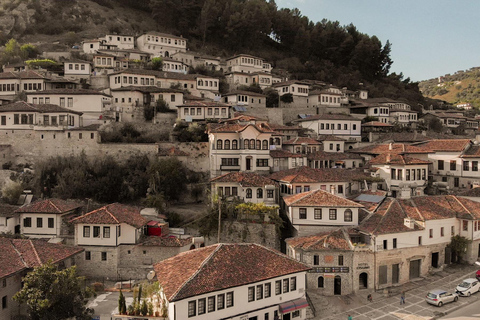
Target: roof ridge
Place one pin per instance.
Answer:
(347, 237)
(208, 258)
(53, 204)
(19, 253)
(386, 212)
(36, 252)
(468, 211)
(416, 208)
(111, 214)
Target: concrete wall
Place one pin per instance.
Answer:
(13, 286)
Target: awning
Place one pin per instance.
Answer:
(293, 305)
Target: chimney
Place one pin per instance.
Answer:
(374, 186)
(390, 146)
(332, 189)
(388, 157)
(409, 222)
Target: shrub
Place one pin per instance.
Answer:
(12, 191)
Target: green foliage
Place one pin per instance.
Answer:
(254, 87)
(459, 245)
(435, 124)
(42, 63)
(157, 63)
(369, 119)
(168, 177)
(11, 192)
(272, 97)
(162, 106)
(122, 306)
(54, 294)
(194, 132)
(286, 98)
(28, 51)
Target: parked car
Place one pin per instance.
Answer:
(439, 297)
(478, 275)
(467, 287)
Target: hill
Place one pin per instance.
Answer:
(324, 51)
(461, 87)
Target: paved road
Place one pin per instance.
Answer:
(106, 304)
(468, 312)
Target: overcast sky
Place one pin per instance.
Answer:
(429, 38)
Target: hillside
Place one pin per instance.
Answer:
(324, 51)
(461, 87)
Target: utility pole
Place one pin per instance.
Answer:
(219, 217)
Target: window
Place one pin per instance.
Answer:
(393, 173)
(442, 233)
(234, 144)
(219, 144)
(320, 282)
(302, 213)
(262, 162)
(317, 214)
(227, 144)
(286, 285)
(270, 194)
(251, 294)
(96, 232)
(354, 127)
(385, 244)
(220, 301)
(293, 283)
(172, 98)
(106, 232)
(407, 174)
(104, 256)
(62, 102)
(440, 165)
(394, 243)
(466, 165)
(248, 193)
(192, 308)
(399, 174)
(340, 260)
(86, 232)
(259, 193)
(348, 215)
(452, 230)
(27, 222)
(229, 299)
(70, 102)
(278, 287)
(453, 165)
(4, 302)
(211, 304)
(465, 225)
(332, 214)
(296, 314)
(39, 222)
(51, 223)
(4, 120)
(268, 289)
(88, 255)
(260, 292)
(420, 240)
(474, 165)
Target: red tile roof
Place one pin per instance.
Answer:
(310, 175)
(50, 206)
(447, 145)
(114, 213)
(376, 124)
(284, 154)
(319, 198)
(301, 140)
(221, 266)
(395, 148)
(40, 108)
(29, 74)
(472, 152)
(168, 241)
(245, 179)
(395, 158)
(235, 127)
(322, 155)
(334, 240)
(20, 254)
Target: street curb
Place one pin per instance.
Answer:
(443, 314)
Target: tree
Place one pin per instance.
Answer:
(271, 97)
(287, 98)
(11, 191)
(28, 51)
(157, 63)
(122, 306)
(54, 294)
(458, 246)
(167, 177)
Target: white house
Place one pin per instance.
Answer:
(91, 46)
(200, 285)
(46, 116)
(247, 64)
(48, 218)
(90, 102)
(247, 186)
(9, 221)
(77, 69)
(120, 41)
(203, 110)
(248, 99)
(172, 65)
(339, 125)
(12, 83)
(161, 44)
(319, 208)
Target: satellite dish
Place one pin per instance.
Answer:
(151, 275)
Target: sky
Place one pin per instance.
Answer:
(429, 38)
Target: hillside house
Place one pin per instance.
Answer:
(77, 69)
(250, 100)
(339, 125)
(12, 83)
(201, 111)
(120, 41)
(245, 63)
(161, 44)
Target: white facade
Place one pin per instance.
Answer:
(35, 120)
(91, 46)
(247, 64)
(111, 235)
(322, 216)
(343, 128)
(121, 42)
(159, 44)
(77, 68)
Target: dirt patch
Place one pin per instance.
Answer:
(189, 212)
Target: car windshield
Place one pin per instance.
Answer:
(431, 295)
(464, 284)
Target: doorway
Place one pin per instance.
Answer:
(363, 280)
(248, 164)
(286, 316)
(337, 285)
(415, 269)
(435, 259)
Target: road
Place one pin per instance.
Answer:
(106, 304)
(468, 312)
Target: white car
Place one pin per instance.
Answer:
(467, 287)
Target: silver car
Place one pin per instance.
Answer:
(440, 297)
(467, 287)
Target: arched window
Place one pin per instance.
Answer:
(277, 141)
(226, 145)
(248, 193)
(265, 144)
(252, 144)
(219, 144)
(259, 193)
(200, 82)
(259, 144)
(348, 215)
(234, 144)
(320, 282)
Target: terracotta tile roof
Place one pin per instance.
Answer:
(248, 93)
(211, 269)
(310, 175)
(40, 108)
(279, 127)
(329, 117)
(395, 158)
(284, 154)
(370, 206)
(168, 241)
(234, 127)
(474, 192)
(204, 104)
(335, 240)
(448, 145)
(472, 152)
(50, 206)
(29, 74)
(322, 155)
(7, 210)
(69, 92)
(301, 140)
(376, 124)
(20, 254)
(239, 117)
(395, 148)
(245, 179)
(114, 213)
(319, 198)
(329, 137)
(402, 137)
(172, 152)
